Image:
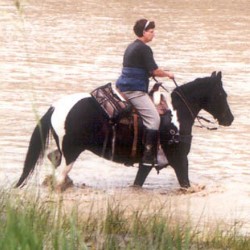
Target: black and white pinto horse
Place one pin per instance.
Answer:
(77, 123)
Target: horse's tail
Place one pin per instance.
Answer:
(37, 145)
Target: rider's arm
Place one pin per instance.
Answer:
(163, 73)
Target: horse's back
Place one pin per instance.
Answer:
(76, 113)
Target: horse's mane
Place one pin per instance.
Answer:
(198, 88)
(195, 87)
(196, 84)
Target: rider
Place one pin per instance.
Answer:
(138, 66)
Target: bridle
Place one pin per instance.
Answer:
(189, 106)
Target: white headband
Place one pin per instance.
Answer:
(146, 25)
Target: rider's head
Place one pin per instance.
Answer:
(143, 25)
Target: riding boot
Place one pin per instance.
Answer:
(149, 157)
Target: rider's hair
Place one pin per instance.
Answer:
(143, 25)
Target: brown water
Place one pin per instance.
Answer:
(52, 48)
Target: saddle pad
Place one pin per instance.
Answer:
(114, 106)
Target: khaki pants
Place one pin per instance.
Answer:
(145, 107)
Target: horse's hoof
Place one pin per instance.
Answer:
(192, 189)
(60, 188)
(65, 185)
(82, 185)
(198, 188)
(68, 182)
(50, 182)
(134, 186)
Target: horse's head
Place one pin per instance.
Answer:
(217, 104)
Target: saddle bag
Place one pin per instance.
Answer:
(112, 103)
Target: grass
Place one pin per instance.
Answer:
(29, 222)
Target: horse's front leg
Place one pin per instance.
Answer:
(181, 170)
(141, 175)
(177, 156)
(179, 161)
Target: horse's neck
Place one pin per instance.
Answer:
(190, 99)
(196, 93)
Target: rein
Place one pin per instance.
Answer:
(185, 101)
(198, 117)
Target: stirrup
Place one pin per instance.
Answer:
(148, 164)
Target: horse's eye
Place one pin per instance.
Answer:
(221, 93)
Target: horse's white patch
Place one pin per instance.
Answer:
(157, 97)
(174, 113)
(62, 108)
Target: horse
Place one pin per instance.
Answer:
(77, 123)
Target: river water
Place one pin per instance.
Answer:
(52, 48)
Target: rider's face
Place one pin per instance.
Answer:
(149, 35)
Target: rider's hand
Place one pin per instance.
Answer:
(170, 75)
(163, 73)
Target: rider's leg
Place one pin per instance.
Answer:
(151, 120)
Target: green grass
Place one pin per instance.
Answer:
(30, 222)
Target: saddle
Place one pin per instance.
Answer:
(119, 111)
(116, 107)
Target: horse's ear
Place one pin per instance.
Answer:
(219, 75)
(213, 74)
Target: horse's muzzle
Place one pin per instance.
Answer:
(226, 119)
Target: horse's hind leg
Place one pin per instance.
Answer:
(70, 152)
(55, 157)
(62, 180)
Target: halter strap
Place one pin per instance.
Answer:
(184, 99)
(198, 118)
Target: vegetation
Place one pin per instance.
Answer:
(31, 222)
